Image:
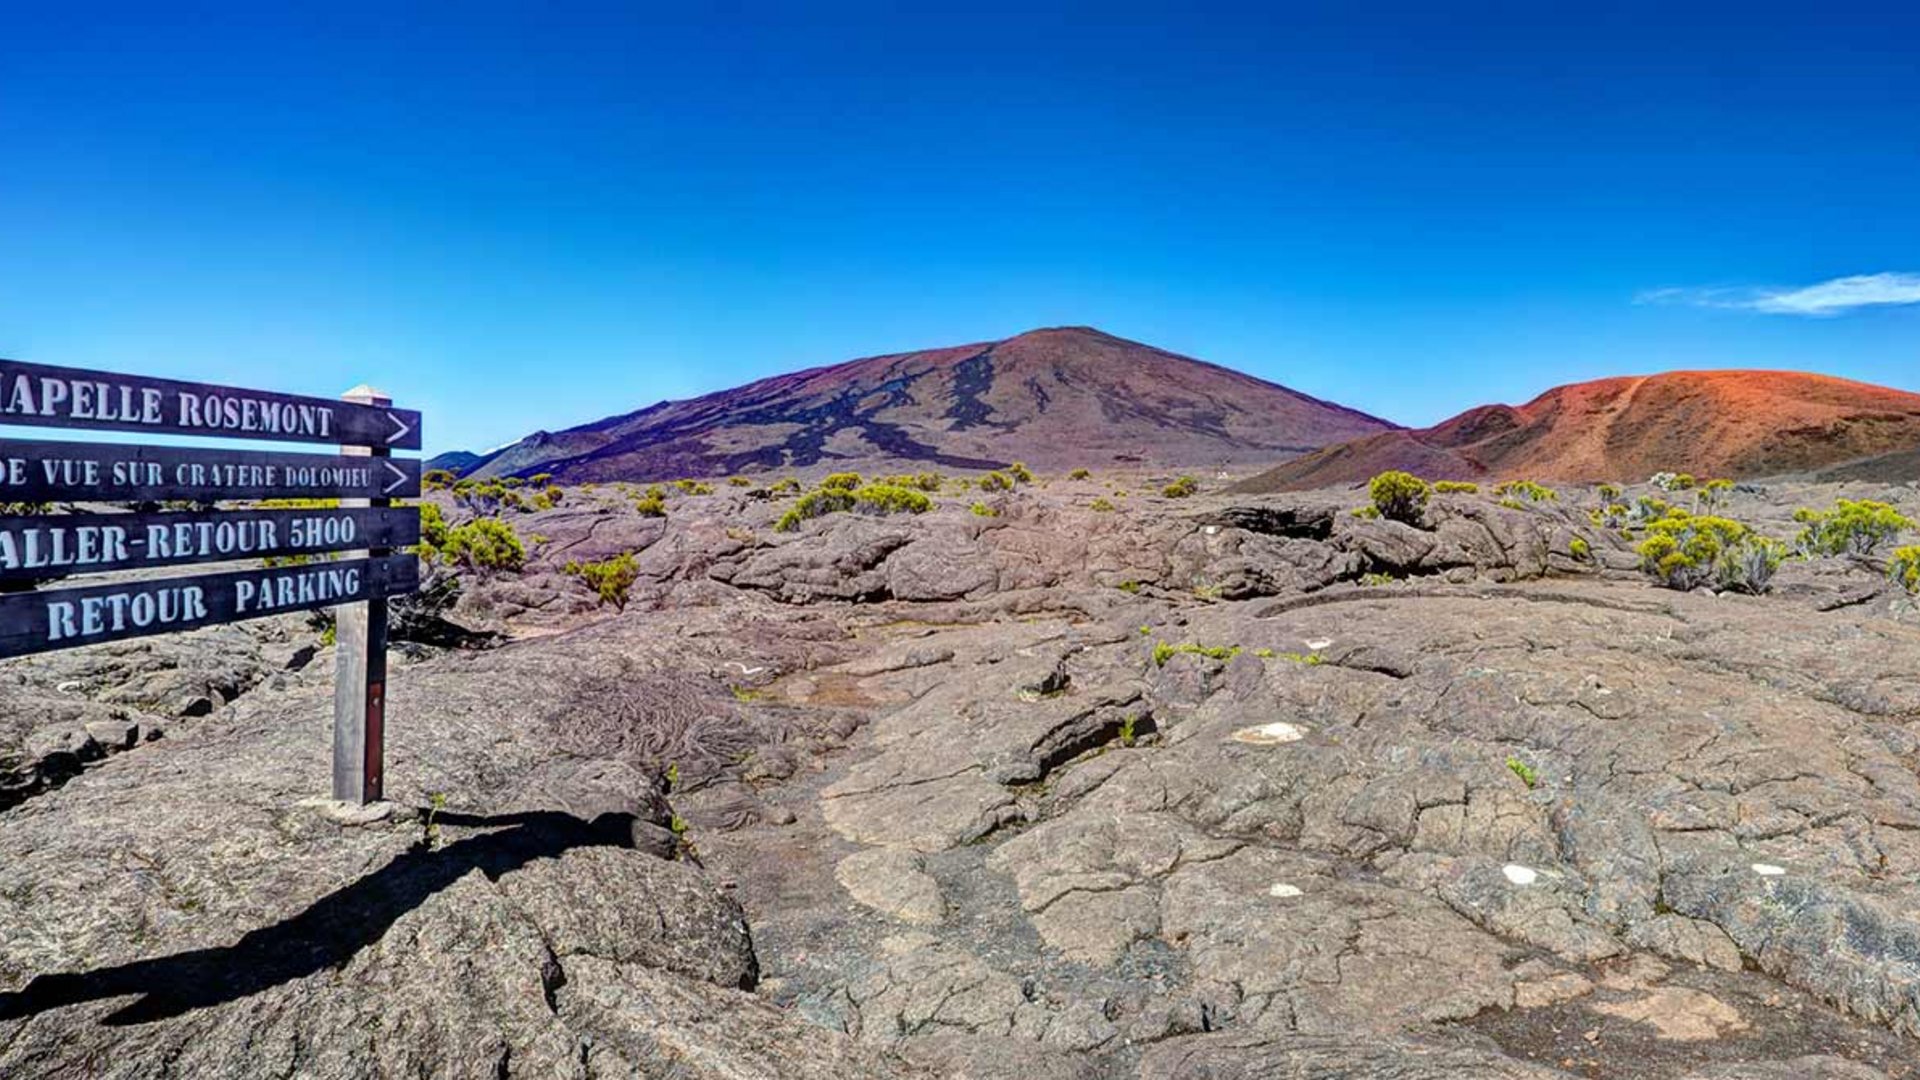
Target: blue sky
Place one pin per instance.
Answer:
(518, 217)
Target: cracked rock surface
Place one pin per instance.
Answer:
(1207, 788)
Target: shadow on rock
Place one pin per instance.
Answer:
(327, 934)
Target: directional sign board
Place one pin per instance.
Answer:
(338, 552)
(63, 618)
(35, 395)
(39, 471)
(44, 546)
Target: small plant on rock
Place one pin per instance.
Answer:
(652, 504)
(1579, 548)
(1398, 496)
(1101, 506)
(1079, 474)
(1523, 770)
(1163, 652)
(1020, 473)
(1609, 493)
(1904, 568)
(610, 579)
(1181, 488)
(1513, 492)
(996, 481)
(981, 509)
(840, 481)
(1456, 487)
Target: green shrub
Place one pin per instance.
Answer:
(926, 481)
(996, 481)
(1515, 490)
(1904, 568)
(1451, 487)
(1163, 652)
(1181, 488)
(693, 487)
(436, 479)
(652, 504)
(890, 499)
(1683, 551)
(739, 481)
(981, 509)
(1522, 770)
(1101, 506)
(514, 481)
(842, 481)
(1398, 496)
(433, 532)
(871, 499)
(1368, 512)
(485, 544)
(1714, 493)
(610, 579)
(1079, 474)
(819, 503)
(1609, 493)
(1580, 548)
(1850, 528)
(540, 479)
(1020, 473)
(786, 485)
(547, 499)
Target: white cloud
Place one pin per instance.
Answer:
(1822, 299)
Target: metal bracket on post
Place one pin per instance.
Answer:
(360, 674)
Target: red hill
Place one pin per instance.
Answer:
(1718, 423)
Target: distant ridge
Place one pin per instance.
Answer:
(1055, 398)
(1719, 423)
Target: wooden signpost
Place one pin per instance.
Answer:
(339, 552)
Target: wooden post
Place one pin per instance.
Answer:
(360, 678)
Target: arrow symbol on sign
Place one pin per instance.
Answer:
(400, 428)
(399, 477)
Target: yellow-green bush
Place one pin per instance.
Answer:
(485, 544)
(1181, 488)
(652, 504)
(842, 481)
(739, 481)
(1101, 506)
(925, 481)
(610, 579)
(1513, 491)
(1398, 495)
(996, 481)
(1020, 473)
(693, 487)
(1904, 568)
(1609, 493)
(1850, 528)
(436, 479)
(981, 509)
(1456, 487)
(1683, 551)
(1079, 474)
(870, 499)
(433, 532)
